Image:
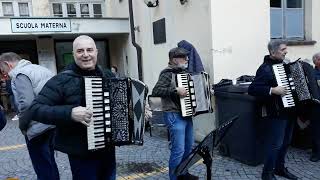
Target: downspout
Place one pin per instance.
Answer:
(133, 39)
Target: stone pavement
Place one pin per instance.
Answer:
(146, 162)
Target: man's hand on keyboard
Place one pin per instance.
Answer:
(182, 92)
(82, 115)
(279, 90)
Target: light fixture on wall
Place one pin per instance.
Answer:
(151, 3)
(183, 1)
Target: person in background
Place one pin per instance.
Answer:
(279, 120)
(27, 80)
(315, 118)
(62, 102)
(13, 105)
(114, 70)
(180, 128)
(4, 94)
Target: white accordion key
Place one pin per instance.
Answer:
(184, 81)
(193, 97)
(284, 81)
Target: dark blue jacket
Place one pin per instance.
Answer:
(3, 120)
(261, 86)
(195, 64)
(317, 73)
(54, 104)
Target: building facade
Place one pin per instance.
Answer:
(230, 36)
(43, 30)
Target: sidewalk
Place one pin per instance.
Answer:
(142, 162)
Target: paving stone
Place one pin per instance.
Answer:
(149, 161)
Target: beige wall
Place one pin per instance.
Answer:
(40, 8)
(123, 55)
(189, 22)
(117, 8)
(183, 22)
(241, 32)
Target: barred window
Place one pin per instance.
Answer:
(97, 11)
(23, 9)
(57, 10)
(77, 9)
(7, 8)
(84, 9)
(71, 10)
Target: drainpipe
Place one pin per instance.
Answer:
(133, 39)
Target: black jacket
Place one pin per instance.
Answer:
(260, 87)
(3, 120)
(54, 104)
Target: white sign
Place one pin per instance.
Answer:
(40, 25)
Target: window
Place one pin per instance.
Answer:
(287, 19)
(57, 10)
(7, 8)
(23, 9)
(71, 10)
(84, 10)
(77, 9)
(97, 11)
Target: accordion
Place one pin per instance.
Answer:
(299, 80)
(118, 106)
(198, 99)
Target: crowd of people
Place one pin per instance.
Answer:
(53, 114)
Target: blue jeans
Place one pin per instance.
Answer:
(41, 151)
(277, 142)
(181, 137)
(99, 165)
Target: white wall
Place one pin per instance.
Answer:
(183, 22)
(40, 8)
(189, 22)
(123, 55)
(117, 8)
(241, 31)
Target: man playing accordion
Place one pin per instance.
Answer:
(180, 128)
(279, 121)
(62, 103)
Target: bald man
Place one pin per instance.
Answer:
(62, 103)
